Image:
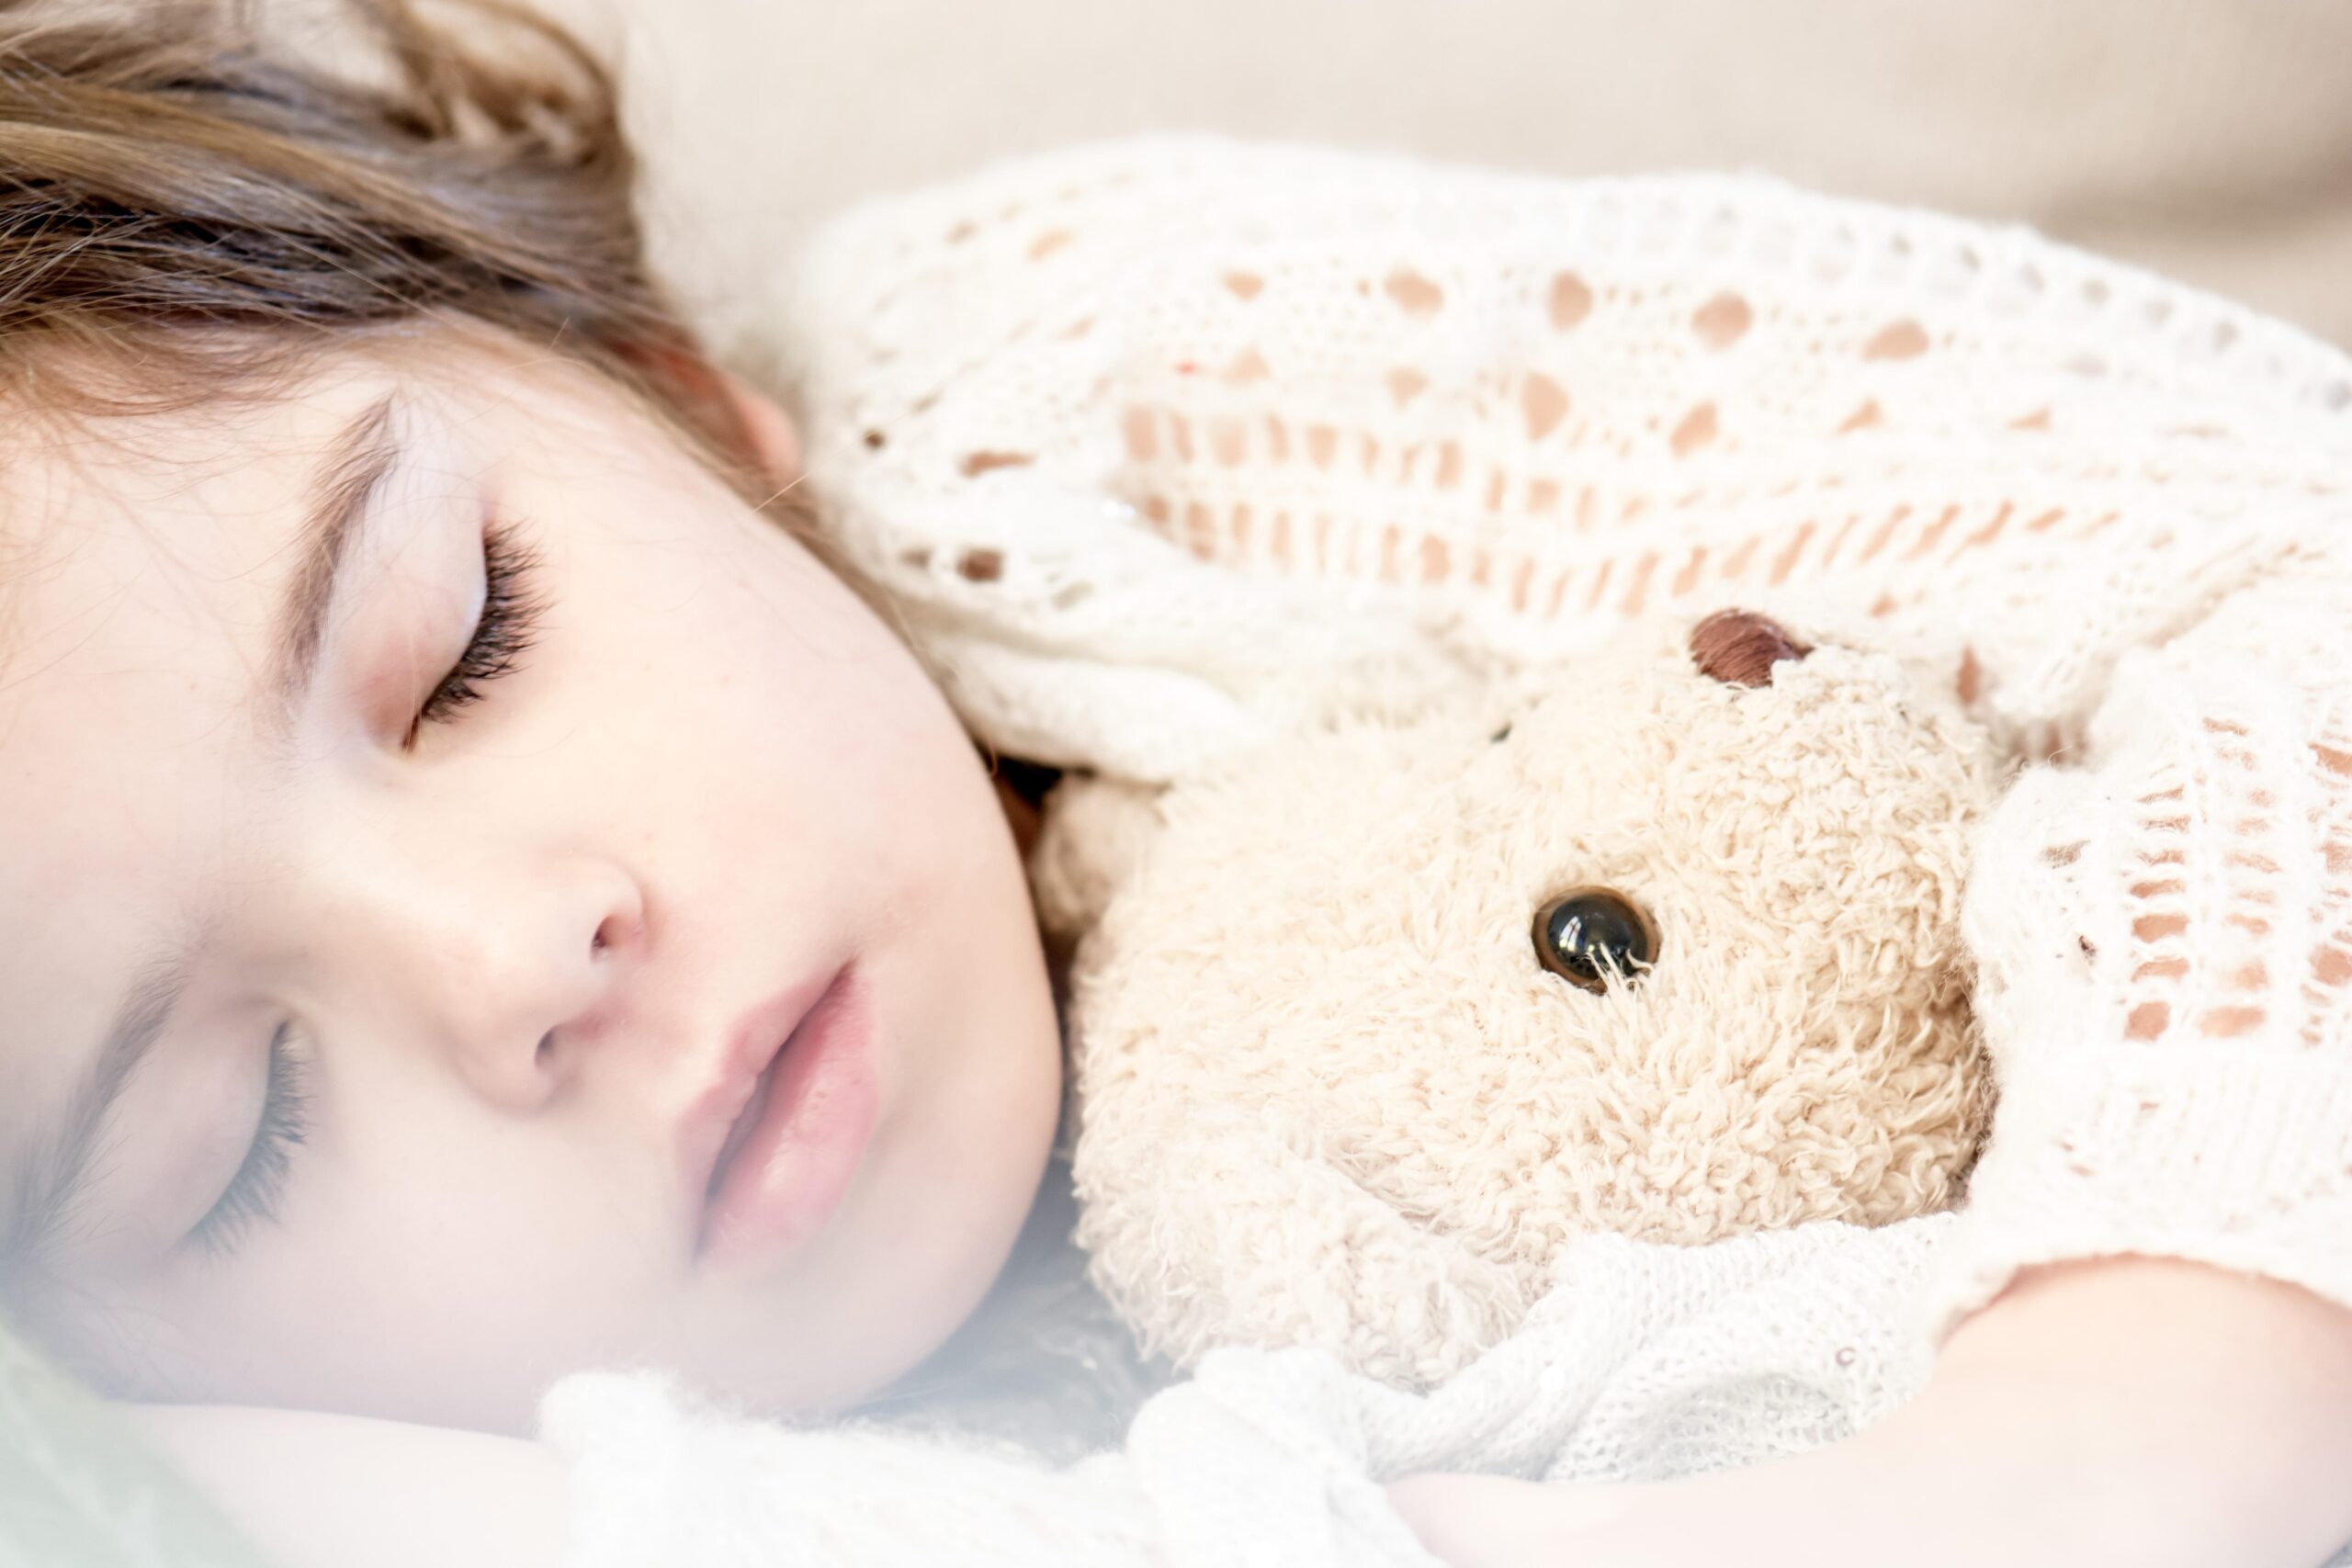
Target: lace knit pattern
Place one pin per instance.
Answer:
(1167, 445)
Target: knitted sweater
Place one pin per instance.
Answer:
(1160, 447)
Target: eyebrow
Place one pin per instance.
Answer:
(358, 462)
(51, 1176)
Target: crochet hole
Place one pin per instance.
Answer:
(1244, 285)
(1414, 294)
(1898, 340)
(1228, 442)
(1571, 302)
(2148, 1021)
(980, 566)
(1404, 383)
(978, 463)
(1696, 429)
(1721, 320)
(1545, 404)
(875, 440)
(2331, 965)
(1868, 416)
(1136, 430)
(1049, 241)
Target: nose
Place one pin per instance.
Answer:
(510, 961)
(1740, 647)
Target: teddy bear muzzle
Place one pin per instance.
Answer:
(1740, 647)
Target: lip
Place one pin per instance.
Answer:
(788, 1166)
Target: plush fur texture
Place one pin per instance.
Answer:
(1327, 1092)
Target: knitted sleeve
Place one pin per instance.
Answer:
(1163, 447)
(2164, 930)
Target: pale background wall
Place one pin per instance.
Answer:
(2211, 139)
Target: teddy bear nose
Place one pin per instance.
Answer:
(1740, 647)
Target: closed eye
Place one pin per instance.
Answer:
(501, 633)
(252, 1194)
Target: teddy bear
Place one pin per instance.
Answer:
(1370, 1024)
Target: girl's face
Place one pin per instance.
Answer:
(427, 806)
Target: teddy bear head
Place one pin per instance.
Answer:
(1370, 1025)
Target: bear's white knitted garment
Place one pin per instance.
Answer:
(1164, 445)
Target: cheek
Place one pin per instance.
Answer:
(763, 698)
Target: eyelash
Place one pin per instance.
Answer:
(501, 635)
(252, 1194)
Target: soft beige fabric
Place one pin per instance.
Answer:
(1327, 1092)
(2209, 138)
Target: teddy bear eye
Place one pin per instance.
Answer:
(1587, 931)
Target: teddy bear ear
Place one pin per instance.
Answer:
(1092, 836)
(1739, 647)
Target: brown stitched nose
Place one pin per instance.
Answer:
(1740, 647)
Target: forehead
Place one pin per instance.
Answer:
(140, 562)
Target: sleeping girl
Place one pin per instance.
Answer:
(501, 881)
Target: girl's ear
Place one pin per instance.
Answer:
(754, 429)
(769, 436)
